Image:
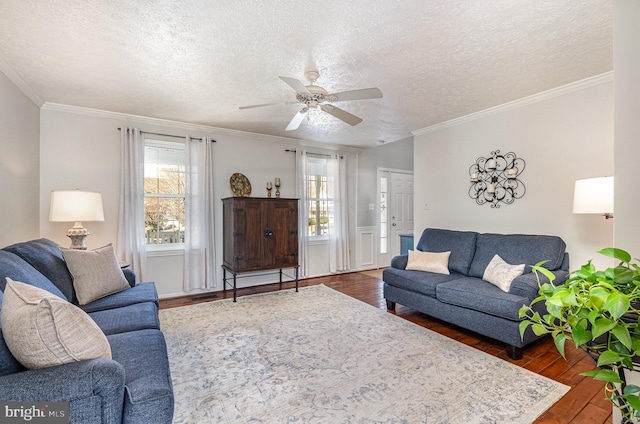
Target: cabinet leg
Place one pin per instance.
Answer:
(280, 275)
(234, 287)
(297, 279)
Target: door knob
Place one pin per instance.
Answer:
(394, 224)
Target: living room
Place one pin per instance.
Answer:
(578, 129)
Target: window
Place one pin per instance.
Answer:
(164, 192)
(318, 198)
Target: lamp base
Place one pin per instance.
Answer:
(77, 234)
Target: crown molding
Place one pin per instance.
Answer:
(535, 98)
(199, 128)
(22, 85)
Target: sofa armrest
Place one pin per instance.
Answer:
(85, 384)
(527, 285)
(130, 276)
(400, 261)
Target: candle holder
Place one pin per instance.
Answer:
(269, 187)
(494, 179)
(277, 184)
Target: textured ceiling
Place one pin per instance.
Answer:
(198, 61)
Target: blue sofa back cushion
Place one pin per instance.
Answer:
(462, 245)
(8, 364)
(517, 249)
(45, 256)
(17, 269)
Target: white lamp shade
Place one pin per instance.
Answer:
(75, 206)
(593, 195)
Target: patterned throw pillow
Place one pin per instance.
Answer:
(96, 273)
(428, 261)
(43, 330)
(501, 274)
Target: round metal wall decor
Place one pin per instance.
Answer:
(495, 179)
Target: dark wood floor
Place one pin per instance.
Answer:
(583, 404)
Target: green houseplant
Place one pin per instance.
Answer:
(598, 310)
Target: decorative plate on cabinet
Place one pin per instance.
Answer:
(240, 185)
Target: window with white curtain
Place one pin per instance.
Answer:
(164, 192)
(318, 199)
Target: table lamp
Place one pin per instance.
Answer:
(76, 206)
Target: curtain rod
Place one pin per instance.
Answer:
(169, 135)
(313, 154)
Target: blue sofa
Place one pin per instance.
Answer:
(462, 297)
(133, 387)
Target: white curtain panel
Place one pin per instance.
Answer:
(131, 243)
(199, 251)
(338, 214)
(302, 188)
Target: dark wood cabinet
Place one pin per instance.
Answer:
(259, 234)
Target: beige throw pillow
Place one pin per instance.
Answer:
(96, 273)
(501, 274)
(428, 261)
(43, 330)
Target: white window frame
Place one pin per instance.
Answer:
(318, 238)
(162, 249)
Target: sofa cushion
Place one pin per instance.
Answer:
(143, 292)
(476, 294)
(462, 245)
(18, 269)
(43, 330)
(96, 273)
(8, 363)
(140, 316)
(147, 394)
(437, 262)
(417, 281)
(45, 256)
(501, 274)
(517, 249)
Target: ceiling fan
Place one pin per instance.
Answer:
(313, 96)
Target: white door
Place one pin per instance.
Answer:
(400, 209)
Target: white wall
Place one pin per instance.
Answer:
(563, 135)
(626, 61)
(396, 155)
(19, 164)
(80, 148)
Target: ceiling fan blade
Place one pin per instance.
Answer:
(297, 120)
(295, 84)
(341, 114)
(262, 105)
(363, 94)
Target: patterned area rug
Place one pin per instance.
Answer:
(319, 356)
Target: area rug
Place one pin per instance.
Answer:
(319, 356)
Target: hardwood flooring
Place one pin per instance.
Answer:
(583, 404)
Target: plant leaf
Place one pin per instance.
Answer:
(523, 327)
(559, 340)
(622, 334)
(633, 400)
(608, 357)
(539, 329)
(609, 376)
(630, 389)
(619, 254)
(580, 335)
(601, 326)
(617, 304)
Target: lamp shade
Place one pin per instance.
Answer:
(593, 195)
(76, 205)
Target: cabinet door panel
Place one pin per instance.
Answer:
(284, 223)
(254, 218)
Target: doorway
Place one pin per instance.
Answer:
(395, 212)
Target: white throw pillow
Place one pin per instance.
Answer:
(96, 273)
(501, 274)
(428, 261)
(43, 330)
